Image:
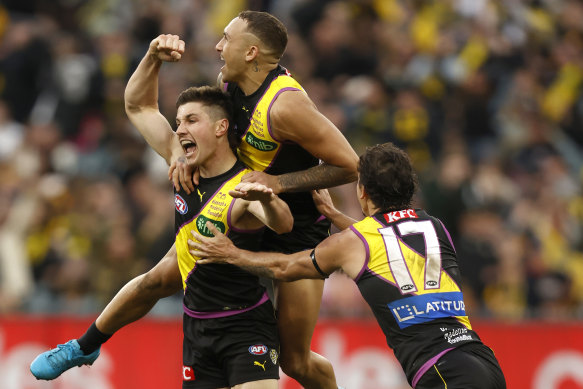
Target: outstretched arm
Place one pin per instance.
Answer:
(294, 117)
(339, 251)
(141, 97)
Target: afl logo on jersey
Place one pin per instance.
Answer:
(181, 206)
(258, 349)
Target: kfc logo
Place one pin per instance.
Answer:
(398, 215)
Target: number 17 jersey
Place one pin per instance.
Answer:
(411, 281)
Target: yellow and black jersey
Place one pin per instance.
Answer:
(215, 290)
(411, 281)
(261, 150)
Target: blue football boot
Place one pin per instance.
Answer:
(51, 364)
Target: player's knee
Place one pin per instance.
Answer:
(155, 283)
(294, 364)
(149, 282)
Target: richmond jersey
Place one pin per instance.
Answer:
(411, 281)
(215, 290)
(262, 151)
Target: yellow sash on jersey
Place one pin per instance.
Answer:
(216, 210)
(258, 148)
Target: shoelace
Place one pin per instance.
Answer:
(55, 356)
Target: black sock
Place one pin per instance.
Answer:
(92, 339)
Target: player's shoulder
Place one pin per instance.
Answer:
(289, 102)
(342, 240)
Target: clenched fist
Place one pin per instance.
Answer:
(167, 48)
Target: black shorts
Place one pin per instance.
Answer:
(471, 366)
(232, 350)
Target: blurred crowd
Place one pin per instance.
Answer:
(485, 95)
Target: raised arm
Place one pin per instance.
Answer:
(326, 207)
(141, 97)
(294, 117)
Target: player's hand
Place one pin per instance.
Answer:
(263, 178)
(252, 191)
(182, 174)
(323, 202)
(167, 48)
(218, 249)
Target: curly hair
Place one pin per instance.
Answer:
(387, 176)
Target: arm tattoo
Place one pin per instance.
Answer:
(317, 177)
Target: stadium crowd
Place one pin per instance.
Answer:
(485, 95)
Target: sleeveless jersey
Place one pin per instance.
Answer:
(214, 290)
(261, 150)
(411, 280)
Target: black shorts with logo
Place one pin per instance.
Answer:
(471, 366)
(228, 351)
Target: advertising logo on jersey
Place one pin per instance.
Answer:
(204, 230)
(258, 349)
(180, 204)
(259, 144)
(426, 307)
(394, 216)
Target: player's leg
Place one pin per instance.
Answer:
(298, 306)
(131, 303)
(249, 347)
(140, 295)
(262, 384)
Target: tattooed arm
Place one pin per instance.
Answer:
(343, 250)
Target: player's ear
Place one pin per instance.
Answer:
(252, 53)
(222, 127)
(362, 192)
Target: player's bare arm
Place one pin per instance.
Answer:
(141, 97)
(294, 117)
(340, 251)
(258, 206)
(326, 207)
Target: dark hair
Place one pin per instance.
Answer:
(387, 176)
(217, 100)
(268, 29)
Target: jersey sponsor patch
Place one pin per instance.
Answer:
(258, 349)
(426, 307)
(259, 144)
(402, 214)
(180, 204)
(204, 230)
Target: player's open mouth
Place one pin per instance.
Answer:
(189, 147)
